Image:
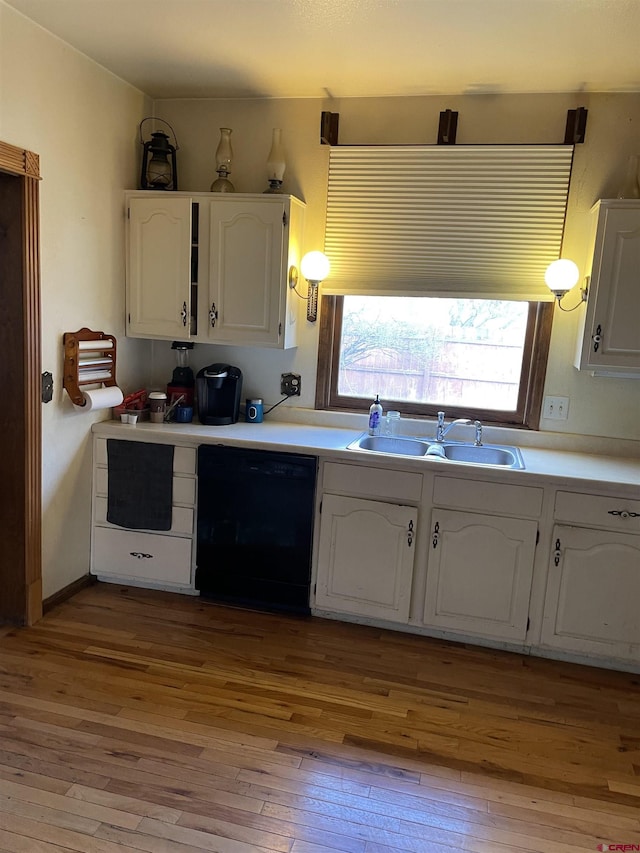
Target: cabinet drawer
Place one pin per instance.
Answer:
(371, 482)
(497, 498)
(184, 488)
(184, 458)
(598, 511)
(181, 517)
(184, 491)
(141, 556)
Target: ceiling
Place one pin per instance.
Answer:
(352, 48)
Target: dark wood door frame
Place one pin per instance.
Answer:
(20, 411)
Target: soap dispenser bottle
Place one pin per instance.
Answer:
(375, 416)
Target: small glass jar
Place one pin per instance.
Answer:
(392, 423)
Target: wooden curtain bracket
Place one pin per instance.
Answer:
(329, 128)
(448, 127)
(89, 359)
(576, 126)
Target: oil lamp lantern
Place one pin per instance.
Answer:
(275, 162)
(224, 158)
(159, 171)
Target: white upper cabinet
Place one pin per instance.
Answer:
(213, 268)
(159, 266)
(609, 340)
(252, 245)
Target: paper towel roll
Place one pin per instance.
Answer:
(96, 346)
(101, 398)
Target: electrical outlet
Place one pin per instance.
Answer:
(556, 408)
(290, 384)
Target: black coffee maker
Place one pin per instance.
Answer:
(219, 389)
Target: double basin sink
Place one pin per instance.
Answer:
(446, 451)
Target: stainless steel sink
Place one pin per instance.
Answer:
(447, 451)
(484, 454)
(390, 444)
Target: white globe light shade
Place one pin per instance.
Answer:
(315, 266)
(561, 275)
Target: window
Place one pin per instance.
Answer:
(480, 358)
(436, 298)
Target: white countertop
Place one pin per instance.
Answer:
(602, 472)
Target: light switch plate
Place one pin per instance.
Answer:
(556, 408)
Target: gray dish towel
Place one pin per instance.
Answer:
(140, 484)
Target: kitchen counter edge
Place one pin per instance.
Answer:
(552, 467)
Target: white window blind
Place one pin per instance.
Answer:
(473, 220)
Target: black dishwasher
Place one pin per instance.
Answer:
(255, 526)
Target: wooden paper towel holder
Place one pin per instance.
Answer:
(97, 366)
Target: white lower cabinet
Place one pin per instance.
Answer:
(145, 557)
(593, 585)
(479, 574)
(366, 555)
(593, 593)
(441, 554)
(481, 558)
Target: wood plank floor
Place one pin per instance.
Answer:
(133, 720)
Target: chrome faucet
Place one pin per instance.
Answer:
(442, 430)
(478, 426)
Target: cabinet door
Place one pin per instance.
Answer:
(610, 341)
(159, 267)
(365, 561)
(593, 593)
(246, 273)
(479, 574)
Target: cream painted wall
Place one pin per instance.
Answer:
(598, 406)
(82, 121)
